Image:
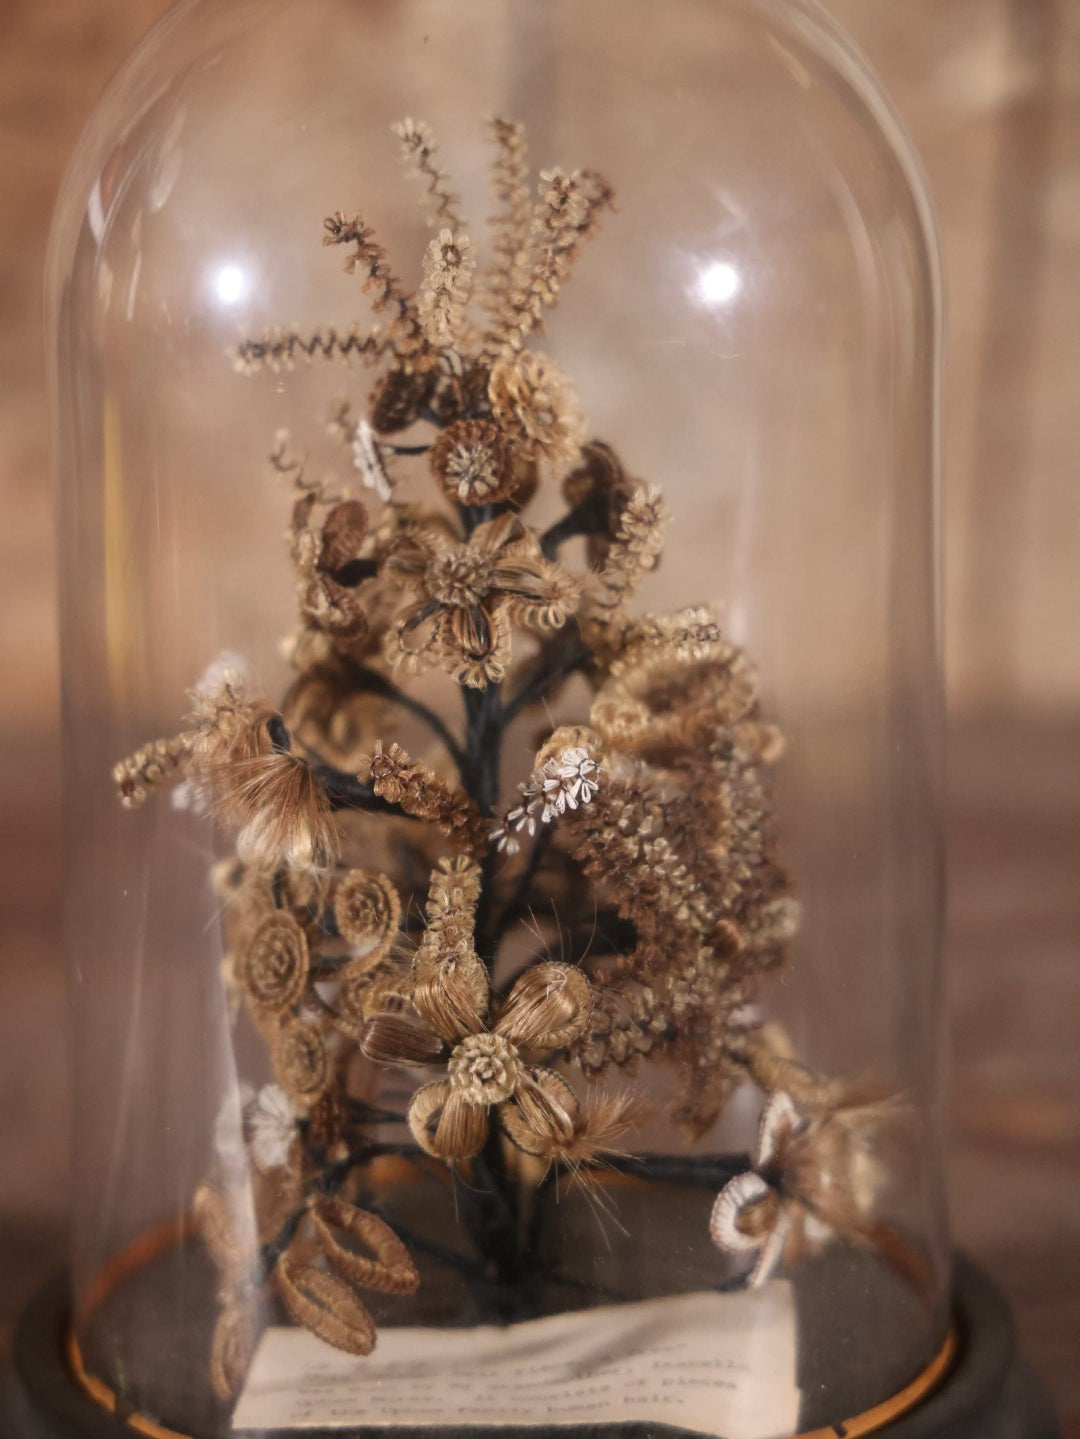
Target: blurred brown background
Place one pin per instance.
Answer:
(990, 90)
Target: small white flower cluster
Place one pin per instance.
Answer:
(271, 1125)
(260, 1125)
(561, 783)
(368, 459)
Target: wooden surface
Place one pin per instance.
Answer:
(990, 90)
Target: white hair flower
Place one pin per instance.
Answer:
(815, 1176)
(270, 1124)
(562, 782)
(369, 462)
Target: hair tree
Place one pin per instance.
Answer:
(391, 909)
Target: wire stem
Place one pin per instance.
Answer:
(372, 682)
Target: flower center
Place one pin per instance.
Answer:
(485, 1068)
(461, 577)
(473, 468)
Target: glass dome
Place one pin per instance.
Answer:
(497, 462)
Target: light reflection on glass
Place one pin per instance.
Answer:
(718, 283)
(230, 284)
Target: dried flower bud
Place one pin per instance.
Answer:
(474, 464)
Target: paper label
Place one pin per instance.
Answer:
(719, 1364)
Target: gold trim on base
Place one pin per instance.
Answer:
(163, 1238)
(870, 1420)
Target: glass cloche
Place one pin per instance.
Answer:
(497, 457)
